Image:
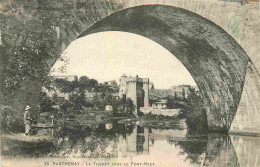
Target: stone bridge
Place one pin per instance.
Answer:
(217, 41)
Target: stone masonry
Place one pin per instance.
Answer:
(135, 88)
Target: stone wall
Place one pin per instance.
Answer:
(165, 112)
(247, 118)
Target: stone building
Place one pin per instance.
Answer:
(182, 91)
(135, 88)
(161, 104)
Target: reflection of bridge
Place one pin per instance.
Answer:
(218, 63)
(223, 151)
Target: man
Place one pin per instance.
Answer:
(27, 120)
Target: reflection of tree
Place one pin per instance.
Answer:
(91, 142)
(118, 129)
(193, 147)
(95, 146)
(218, 150)
(88, 141)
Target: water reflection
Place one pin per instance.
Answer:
(134, 143)
(247, 150)
(164, 147)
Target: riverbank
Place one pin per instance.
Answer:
(155, 121)
(40, 142)
(18, 145)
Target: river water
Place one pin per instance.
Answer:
(156, 147)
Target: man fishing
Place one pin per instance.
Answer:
(27, 120)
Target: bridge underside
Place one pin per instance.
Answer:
(214, 59)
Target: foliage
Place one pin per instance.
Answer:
(26, 52)
(194, 147)
(195, 113)
(106, 88)
(121, 106)
(83, 84)
(9, 121)
(130, 107)
(192, 109)
(151, 116)
(27, 46)
(174, 102)
(77, 101)
(152, 87)
(98, 102)
(46, 103)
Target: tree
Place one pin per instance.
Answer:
(130, 107)
(174, 102)
(77, 100)
(92, 83)
(26, 51)
(26, 48)
(74, 84)
(114, 86)
(118, 106)
(175, 95)
(83, 83)
(183, 93)
(63, 85)
(46, 103)
(196, 119)
(169, 102)
(152, 86)
(98, 102)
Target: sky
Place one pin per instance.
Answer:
(106, 56)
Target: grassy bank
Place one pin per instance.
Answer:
(18, 145)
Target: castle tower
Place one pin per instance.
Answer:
(122, 85)
(146, 92)
(131, 89)
(135, 88)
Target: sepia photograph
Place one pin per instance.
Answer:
(130, 83)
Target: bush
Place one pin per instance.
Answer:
(195, 112)
(197, 120)
(10, 120)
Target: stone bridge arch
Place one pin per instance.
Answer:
(69, 19)
(216, 62)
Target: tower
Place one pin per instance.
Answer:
(146, 92)
(122, 85)
(135, 88)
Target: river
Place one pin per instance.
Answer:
(156, 147)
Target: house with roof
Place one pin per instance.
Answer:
(159, 104)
